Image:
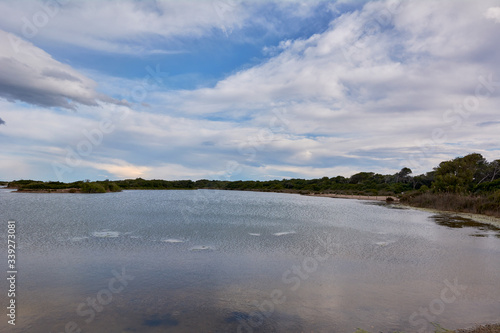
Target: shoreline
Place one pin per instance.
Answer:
(63, 190)
(481, 218)
(357, 197)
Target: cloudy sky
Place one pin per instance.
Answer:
(230, 89)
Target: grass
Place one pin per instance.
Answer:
(479, 204)
(495, 328)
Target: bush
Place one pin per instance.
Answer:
(114, 188)
(489, 205)
(93, 188)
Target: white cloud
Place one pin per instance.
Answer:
(31, 75)
(364, 95)
(380, 79)
(15, 167)
(287, 171)
(115, 26)
(173, 171)
(118, 168)
(137, 27)
(493, 13)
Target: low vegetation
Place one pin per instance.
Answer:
(80, 186)
(465, 184)
(468, 184)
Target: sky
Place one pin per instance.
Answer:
(231, 90)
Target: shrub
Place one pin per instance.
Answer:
(114, 188)
(93, 188)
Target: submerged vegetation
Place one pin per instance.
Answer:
(494, 328)
(465, 184)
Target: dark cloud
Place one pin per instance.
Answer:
(61, 75)
(488, 123)
(30, 75)
(2, 122)
(34, 96)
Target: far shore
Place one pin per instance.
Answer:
(494, 221)
(60, 190)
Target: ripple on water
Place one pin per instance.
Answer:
(384, 243)
(283, 233)
(106, 234)
(78, 239)
(202, 248)
(172, 240)
(160, 320)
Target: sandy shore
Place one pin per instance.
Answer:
(358, 197)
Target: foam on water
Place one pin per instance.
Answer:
(254, 234)
(202, 248)
(172, 240)
(283, 233)
(106, 234)
(384, 243)
(78, 239)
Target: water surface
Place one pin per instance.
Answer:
(228, 261)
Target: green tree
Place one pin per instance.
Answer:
(459, 175)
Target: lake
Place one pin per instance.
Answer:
(229, 261)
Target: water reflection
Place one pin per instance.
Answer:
(164, 320)
(214, 265)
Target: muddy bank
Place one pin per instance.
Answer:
(358, 197)
(491, 220)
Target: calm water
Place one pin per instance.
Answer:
(219, 261)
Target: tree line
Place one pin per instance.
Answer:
(468, 175)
